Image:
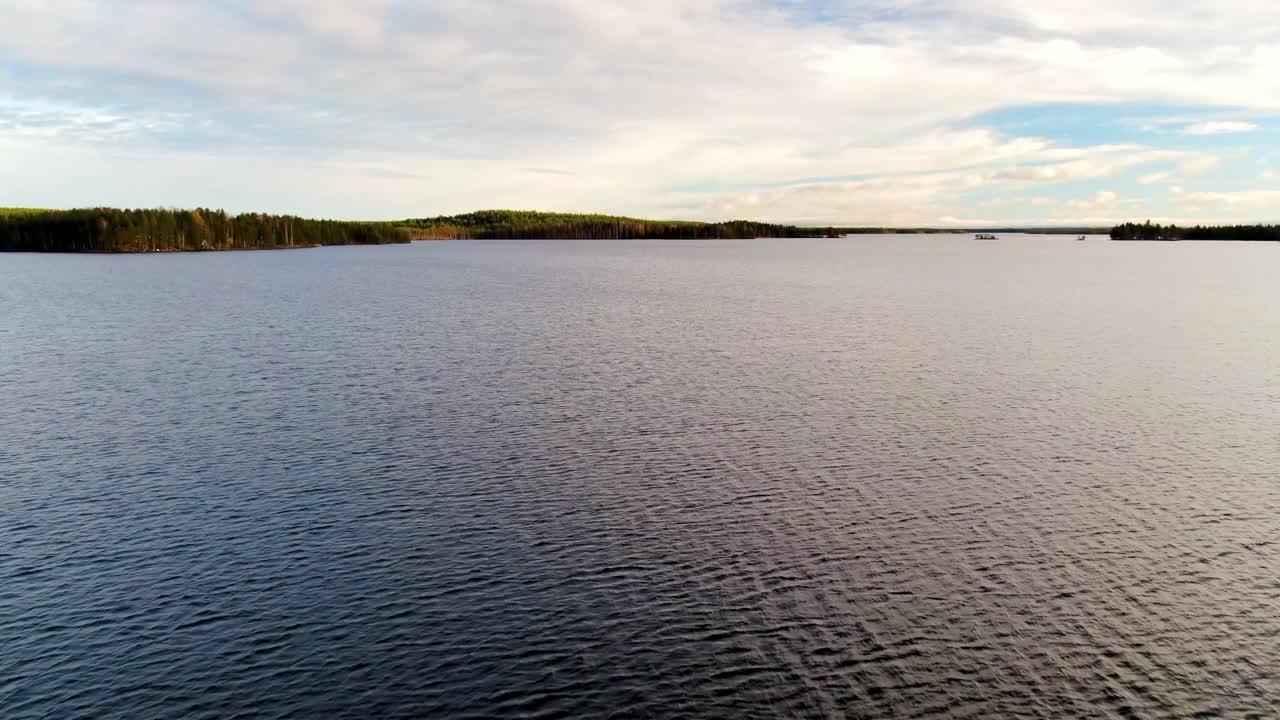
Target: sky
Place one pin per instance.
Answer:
(878, 113)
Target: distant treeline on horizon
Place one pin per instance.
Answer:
(523, 224)
(168, 230)
(1149, 231)
(122, 231)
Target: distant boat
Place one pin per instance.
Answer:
(984, 236)
(1080, 238)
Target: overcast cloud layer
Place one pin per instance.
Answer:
(917, 112)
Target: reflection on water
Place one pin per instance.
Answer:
(910, 476)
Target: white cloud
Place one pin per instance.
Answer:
(1153, 178)
(450, 103)
(1088, 220)
(919, 199)
(1199, 164)
(1104, 199)
(1013, 202)
(1219, 127)
(1242, 199)
(1123, 19)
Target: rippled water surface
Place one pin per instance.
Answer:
(874, 477)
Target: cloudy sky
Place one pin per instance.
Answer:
(878, 112)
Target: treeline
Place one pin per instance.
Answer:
(519, 224)
(159, 230)
(112, 230)
(1149, 231)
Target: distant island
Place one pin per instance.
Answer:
(1148, 231)
(522, 224)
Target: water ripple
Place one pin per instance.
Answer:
(881, 478)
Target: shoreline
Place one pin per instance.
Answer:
(104, 230)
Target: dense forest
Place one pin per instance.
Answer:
(111, 230)
(1148, 231)
(159, 230)
(512, 224)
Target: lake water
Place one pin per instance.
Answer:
(873, 477)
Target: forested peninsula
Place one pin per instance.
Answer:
(516, 224)
(1148, 231)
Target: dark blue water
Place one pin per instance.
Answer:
(875, 477)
